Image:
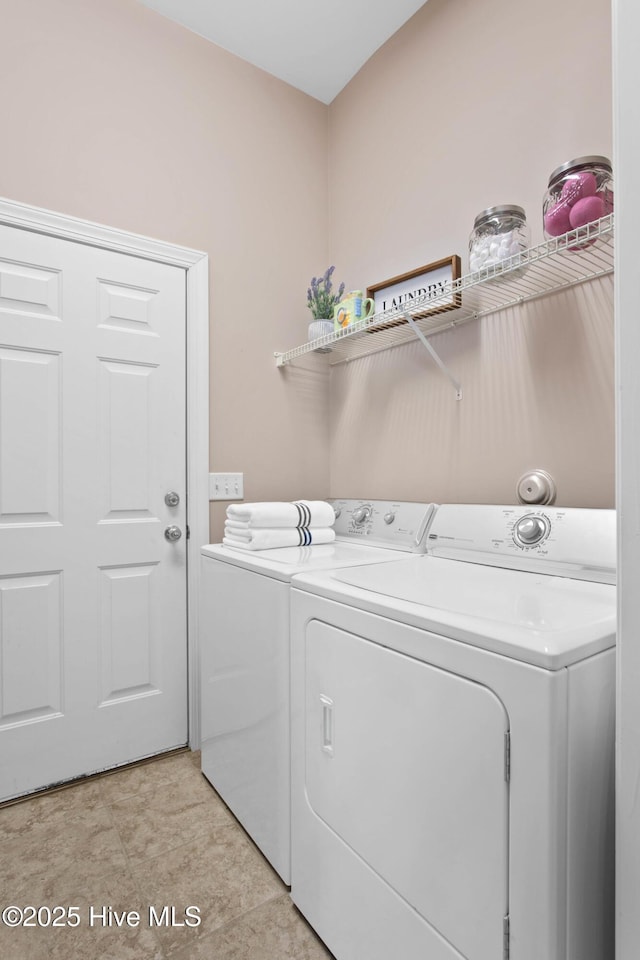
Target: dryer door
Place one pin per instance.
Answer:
(405, 763)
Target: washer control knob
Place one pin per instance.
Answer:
(360, 514)
(389, 517)
(530, 530)
(337, 511)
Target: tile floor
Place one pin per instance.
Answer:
(154, 835)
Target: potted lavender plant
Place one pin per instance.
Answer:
(321, 300)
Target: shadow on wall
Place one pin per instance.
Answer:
(538, 391)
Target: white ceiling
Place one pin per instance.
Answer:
(315, 46)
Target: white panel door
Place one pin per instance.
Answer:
(92, 437)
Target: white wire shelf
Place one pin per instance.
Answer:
(575, 257)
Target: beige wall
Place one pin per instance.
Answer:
(471, 104)
(112, 113)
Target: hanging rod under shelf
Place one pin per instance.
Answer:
(575, 257)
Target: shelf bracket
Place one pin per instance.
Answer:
(421, 337)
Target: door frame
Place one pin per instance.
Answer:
(195, 263)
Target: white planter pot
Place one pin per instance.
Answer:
(320, 328)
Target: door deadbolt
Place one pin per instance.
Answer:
(173, 533)
(172, 499)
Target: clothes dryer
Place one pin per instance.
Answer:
(245, 657)
(453, 743)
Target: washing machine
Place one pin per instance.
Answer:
(245, 658)
(453, 743)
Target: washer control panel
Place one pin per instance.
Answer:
(398, 525)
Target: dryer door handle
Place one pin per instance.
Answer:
(326, 705)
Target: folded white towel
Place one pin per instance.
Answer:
(243, 530)
(239, 530)
(299, 513)
(269, 538)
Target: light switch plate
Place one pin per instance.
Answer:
(226, 486)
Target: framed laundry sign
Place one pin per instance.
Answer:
(432, 281)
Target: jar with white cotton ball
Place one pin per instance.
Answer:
(498, 234)
(579, 192)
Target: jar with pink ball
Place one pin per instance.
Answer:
(579, 192)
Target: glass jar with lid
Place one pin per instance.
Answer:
(498, 234)
(579, 192)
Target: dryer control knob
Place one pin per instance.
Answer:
(530, 530)
(389, 517)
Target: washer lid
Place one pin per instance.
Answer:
(548, 621)
(282, 563)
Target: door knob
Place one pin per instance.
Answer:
(172, 499)
(173, 533)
